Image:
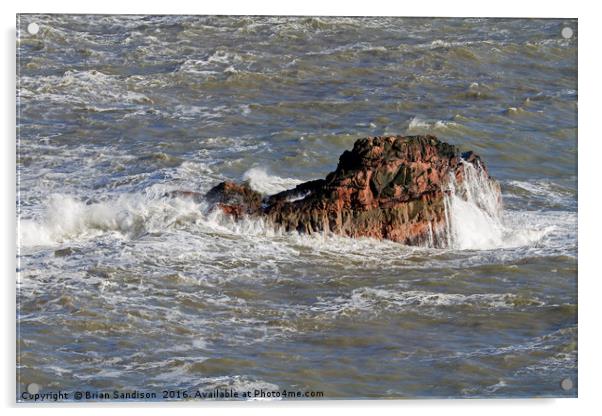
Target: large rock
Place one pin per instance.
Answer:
(386, 188)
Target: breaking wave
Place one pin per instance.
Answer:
(418, 125)
(66, 218)
(261, 181)
(474, 215)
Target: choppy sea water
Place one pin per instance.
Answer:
(119, 288)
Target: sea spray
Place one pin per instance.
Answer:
(67, 218)
(261, 181)
(473, 211)
(474, 219)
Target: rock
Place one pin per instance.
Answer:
(236, 200)
(385, 187)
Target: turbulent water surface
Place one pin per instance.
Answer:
(120, 288)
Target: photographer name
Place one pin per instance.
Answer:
(228, 394)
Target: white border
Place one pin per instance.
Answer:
(589, 191)
(458, 8)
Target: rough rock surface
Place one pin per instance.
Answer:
(386, 188)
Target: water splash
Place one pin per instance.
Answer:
(67, 218)
(474, 217)
(473, 211)
(261, 181)
(474, 214)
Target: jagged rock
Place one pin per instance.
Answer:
(385, 187)
(234, 199)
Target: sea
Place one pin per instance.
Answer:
(122, 289)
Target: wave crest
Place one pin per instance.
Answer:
(261, 181)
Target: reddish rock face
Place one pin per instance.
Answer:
(385, 187)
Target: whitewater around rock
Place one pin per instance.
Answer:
(416, 190)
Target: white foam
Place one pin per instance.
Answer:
(475, 219)
(439, 43)
(261, 181)
(66, 218)
(219, 61)
(371, 299)
(417, 125)
(93, 89)
(545, 191)
(354, 47)
(476, 222)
